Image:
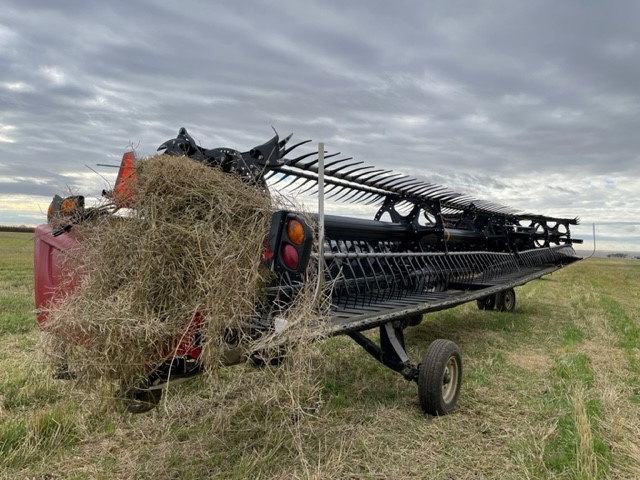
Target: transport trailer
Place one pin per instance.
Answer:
(427, 249)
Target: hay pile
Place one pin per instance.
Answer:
(191, 247)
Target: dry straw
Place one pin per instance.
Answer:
(189, 251)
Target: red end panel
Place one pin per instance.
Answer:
(190, 343)
(124, 191)
(46, 268)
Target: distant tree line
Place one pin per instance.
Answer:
(14, 228)
(621, 255)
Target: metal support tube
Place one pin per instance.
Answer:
(321, 260)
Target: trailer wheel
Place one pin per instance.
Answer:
(139, 400)
(506, 300)
(486, 303)
(440, 377)
(269, 357)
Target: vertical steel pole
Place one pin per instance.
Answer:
(320, 220)
(594, 241)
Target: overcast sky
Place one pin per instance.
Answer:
(535, 105)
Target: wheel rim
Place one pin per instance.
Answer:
(509, 300)
(450, 380)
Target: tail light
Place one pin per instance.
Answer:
(290, 256)
(290, 243)
(68, 207)
(295, 231)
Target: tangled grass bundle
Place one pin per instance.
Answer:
(191, 250)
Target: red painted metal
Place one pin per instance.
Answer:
(50, 284)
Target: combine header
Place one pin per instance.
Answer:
(426, 249)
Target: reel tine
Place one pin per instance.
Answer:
(292, 147)
(335, 171)
(296, 160)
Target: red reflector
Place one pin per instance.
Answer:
(124, 189)
(268, 254)
(290, 256)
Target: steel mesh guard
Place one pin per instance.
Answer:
(362, 273)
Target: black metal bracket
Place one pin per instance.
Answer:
(391, 352)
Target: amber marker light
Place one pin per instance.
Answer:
(295, 232)
(68, 205)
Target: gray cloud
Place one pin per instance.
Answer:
(535, 105)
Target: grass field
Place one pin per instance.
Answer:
(551, 391)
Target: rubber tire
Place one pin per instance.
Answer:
(414, 320)
(506, 300)
(440, 367)
(138, 400)
(486, 303)
(269, 357)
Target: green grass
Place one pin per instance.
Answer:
(549, 391)
(16, 283)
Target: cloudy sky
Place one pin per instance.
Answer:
(535, 105)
